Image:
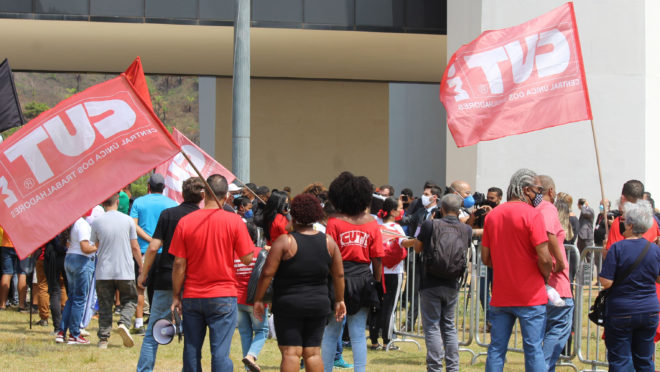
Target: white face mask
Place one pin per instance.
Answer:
(426, 200)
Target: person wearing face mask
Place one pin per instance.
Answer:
(558, 318)
(515, 245)
(429, 205)
(463, 189)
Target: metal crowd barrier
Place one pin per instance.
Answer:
(471, 316)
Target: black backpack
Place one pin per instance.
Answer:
(446, 256)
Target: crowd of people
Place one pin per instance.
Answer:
(332, 260)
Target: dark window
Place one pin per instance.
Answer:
(117, 8)
(62, 6)
(16, 6)
(286, 11)
(325, 12)
(426, 14)
(222, 10)
(170, 9)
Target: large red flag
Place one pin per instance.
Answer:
(73, 157)
(178, 169)
(135, 74)
(517, 80)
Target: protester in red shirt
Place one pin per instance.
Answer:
(204, 245)
(252, 330)
(360, 241)
(515, 245)
(559, 319)
(275, 213)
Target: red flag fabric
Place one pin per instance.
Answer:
(73, 157)
(135, 74)
(517, 80)
(178, 169)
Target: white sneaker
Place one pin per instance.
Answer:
(125, 335)
(83, 332)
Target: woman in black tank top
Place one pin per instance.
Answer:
(300, 263)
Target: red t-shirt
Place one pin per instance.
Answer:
(278, 227)
(243, 274)
(357, 243)
(615, 233)
(512, 231)
(558, 281)
(209, 239)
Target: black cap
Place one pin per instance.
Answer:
(156, 180)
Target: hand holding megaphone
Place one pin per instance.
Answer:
(164, 329)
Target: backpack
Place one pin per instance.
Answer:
(446, 256)
(394, 253)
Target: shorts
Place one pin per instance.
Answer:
(299, 331)
(10, 262)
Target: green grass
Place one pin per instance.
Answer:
(25, 349)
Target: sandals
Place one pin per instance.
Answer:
(252, 366)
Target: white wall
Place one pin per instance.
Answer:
(652, 104)
(613, 44)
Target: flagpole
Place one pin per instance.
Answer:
(600, 178)
(253, 191)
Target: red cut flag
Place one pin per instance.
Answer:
(73, 157)
(135, 74)
(178, 169)
(517, 80)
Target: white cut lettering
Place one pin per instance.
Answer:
(488, 61)
(555, 61)
(28, 148)
(522, 69)
(122, 118)
(66, 143)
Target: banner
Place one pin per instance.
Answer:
(517, 80)
(178, 169)
(74, 156)
(10, 109)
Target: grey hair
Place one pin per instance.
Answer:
(639, 215)
(451, 203)
(522, 178)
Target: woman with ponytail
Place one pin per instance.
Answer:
(395, 246)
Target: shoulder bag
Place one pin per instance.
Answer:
(597, 310)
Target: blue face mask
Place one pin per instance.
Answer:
(248, 214)
(468, 202)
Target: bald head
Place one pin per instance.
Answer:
(547, 183)
(549, 191)
(462, 188)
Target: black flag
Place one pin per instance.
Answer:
(10, 110)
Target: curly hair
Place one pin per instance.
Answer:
(306, 209)
(315, 188)
(350, 194)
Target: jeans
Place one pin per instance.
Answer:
(253, 332)
(105, 290)
(219, 314)
(558, 325)
(485, 287)
(340, 341)
(160, 308)
(438, 305)
(629, 341)
(532, 327)
(357, 324)
(88, 313)
(79, 270)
